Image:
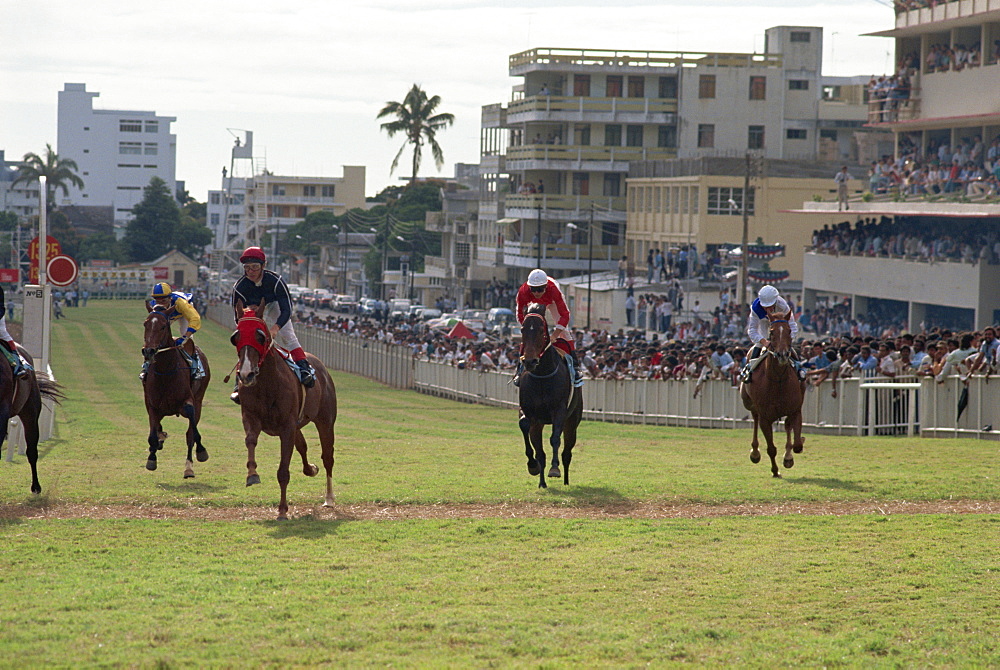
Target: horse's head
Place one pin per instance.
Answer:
(156, 333)
(534, 335)
(780, 337)
(252, 341)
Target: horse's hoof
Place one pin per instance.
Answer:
(253, 479)
(311, 471)
(798, 448)
(755, 457)
(188, 475)
(36, 489)
(151, 464)
(533, 469)
(201, 455)
(554, 473)
(788, 462)
(776, 475)
(543, 485)
(282, 518)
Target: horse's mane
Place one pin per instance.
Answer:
(535, 308)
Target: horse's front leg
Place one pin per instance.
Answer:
(524, 423)
(252, 433)
(772, 451)
(800, 442)
(29, 428)
(558, 421)
(755, 444)
(288, 439)
(789, 460)
(188, 412)
(535, 432)
(154, 439)
(308, 469)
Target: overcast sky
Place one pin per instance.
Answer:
(310, 78)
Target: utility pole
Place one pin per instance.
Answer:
(539, 234)
(748, 174)
(590, 263)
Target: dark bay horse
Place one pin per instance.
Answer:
(168, 388)
(273, 401)
(23, 398)
(547, 396)
(774, 392)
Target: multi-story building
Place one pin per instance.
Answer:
(21, 199)
(560, 151)
(118, 152)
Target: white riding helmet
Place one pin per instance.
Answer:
(537, 278)
(768, 295)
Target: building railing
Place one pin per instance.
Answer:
(606, 205)
(638, 59)
(583, 106)
(579, 154)
(871, 406)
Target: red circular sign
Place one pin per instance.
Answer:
(61, 270)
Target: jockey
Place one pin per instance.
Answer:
(542, 289)
(258, 284)
(17, 362)
(177, 306)
(768, 302)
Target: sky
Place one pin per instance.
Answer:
(310, 78)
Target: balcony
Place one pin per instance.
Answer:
(596, 110)
(492, 163)
(578, 157)
(566, 207)
(556, 256)
(630, 62)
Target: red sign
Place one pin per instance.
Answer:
(9, 275)
(52, 248)
(161, 273)
(62, 270)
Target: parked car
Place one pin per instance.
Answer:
(399, 308)
(367, 307)
(499, 317)
(428, 313)
(322, 298)
(475, 319)
(345, 303)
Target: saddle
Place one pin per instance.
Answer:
(286, 356)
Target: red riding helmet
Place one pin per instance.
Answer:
(253, 255)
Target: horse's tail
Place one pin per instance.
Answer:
(49, 388)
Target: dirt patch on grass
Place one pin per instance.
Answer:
(377, 512)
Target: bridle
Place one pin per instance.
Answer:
(548, 345)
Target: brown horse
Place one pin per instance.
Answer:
(23, 398)
(774, 391)
(273, 401)
(546, 396)
(168, 388)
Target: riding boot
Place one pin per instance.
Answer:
(517, 375)
(306, 373)
(235, 395)
(19, 366)
(145, 369)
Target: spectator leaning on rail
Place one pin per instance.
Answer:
(542, 289)
(177, 307)
(258, 284)
(768, 302)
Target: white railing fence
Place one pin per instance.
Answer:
(875, 406)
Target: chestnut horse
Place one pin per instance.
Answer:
(23, 398)
(774, 391)
(546, 396)
(273, 401)
(168, 388)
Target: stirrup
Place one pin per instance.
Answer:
(306, 373)
(235, 397)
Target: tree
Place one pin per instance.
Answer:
(8, 221)
(59, 173)
(101, 246)
(416, 118)
(153, 231)
(192, 236)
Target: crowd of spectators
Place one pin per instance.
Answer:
(970, 168)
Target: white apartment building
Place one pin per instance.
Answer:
(559, 152)
(118, 152)
(21, 199)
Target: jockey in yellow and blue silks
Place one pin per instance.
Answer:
(178, 307)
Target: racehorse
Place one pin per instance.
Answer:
(273, 401)
(775, 391)
(23, 398)
(168, 388)
(547, 396)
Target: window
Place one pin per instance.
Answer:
(636, 87)
(581, 183)
(798, 84)
(152, 126)
(795, 134)
(668, 87)
(214, 198)
(706, 135)
(666, 137)
(706, 86)
(150, 149)
(799, 36)
(237, 198)
(758, 88)
(462, 252)
(214, 219)
(129, 126)
(633, 136)
(277, 189)
(309, 191)
(612, 185)
(581, 134)
(827, 134)
(613, 86)
(612, 135)
(755, 137)
(130, 148)
(581, 85)
(128, 165)
(326, 191)
(719, 197)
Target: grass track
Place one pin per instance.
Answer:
(860, 590)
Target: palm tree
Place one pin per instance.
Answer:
(58, 172)
(416, 117)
